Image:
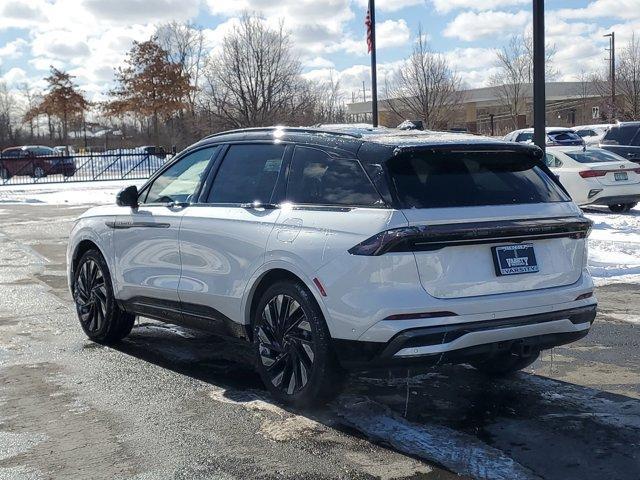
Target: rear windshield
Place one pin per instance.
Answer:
(594, 156)
(564, 136)
(620, 135)
(459, 179)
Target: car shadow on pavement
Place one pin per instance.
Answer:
(553, 429)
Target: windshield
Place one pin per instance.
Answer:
(460, 179)
(594, 156)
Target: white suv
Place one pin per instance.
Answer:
(334, 250)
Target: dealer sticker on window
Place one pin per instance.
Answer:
(515, 259)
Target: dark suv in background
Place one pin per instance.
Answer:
(623, 139)
(36, 161)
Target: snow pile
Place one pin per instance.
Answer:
(73, 193)
(614, 246)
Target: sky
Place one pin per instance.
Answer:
(89, 38)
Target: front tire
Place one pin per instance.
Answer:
(293, 347)
(100, 317)
(505, 364)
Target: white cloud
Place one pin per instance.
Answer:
(624, 9)
(13, 49)
(142, 11)
(390, 5)
(471, 58)
(470, 26)
(15, 77)
(318, 62)
(446, 6)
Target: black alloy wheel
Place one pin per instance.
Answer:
(100, 316)
(91, 296)
(287, 350)
(293, 347)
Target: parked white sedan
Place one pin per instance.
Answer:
(594, 176)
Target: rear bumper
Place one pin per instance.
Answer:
(616, 199)
(460, 343)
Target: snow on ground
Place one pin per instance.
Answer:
(72, 193)
(614, 245)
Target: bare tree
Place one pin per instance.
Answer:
(628, 80)
(515, 73)
(586, 90)
(425, 87)
(7, 111)
(329, 101)
(184, 44)
(255, 79)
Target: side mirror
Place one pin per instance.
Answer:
(128, 197)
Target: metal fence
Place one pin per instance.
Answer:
(111, 165)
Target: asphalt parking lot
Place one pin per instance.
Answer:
(174, 403)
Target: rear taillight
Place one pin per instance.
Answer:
(593, 173)
(637, 170)
(385, 241)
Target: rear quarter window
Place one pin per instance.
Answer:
(459, 179)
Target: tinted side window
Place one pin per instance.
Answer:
(15, 153)
(621, 135)
(317, 178)
(181, 180)
(248, 174)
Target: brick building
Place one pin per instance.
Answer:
(568, 104)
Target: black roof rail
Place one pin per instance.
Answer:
(292, 129)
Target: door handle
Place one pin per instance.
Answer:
(173, 205)
(265, 206)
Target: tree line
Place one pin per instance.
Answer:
(173, 88)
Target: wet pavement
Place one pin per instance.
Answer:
(174, 403)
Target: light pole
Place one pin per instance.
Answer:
(539, 101)
(612, 72)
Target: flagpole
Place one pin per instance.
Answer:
(374, 69)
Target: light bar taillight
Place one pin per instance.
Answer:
(421, 238)
(593, 173)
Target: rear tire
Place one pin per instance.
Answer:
(620, 207)
(293, 348)
(100, 317)
(505, 364)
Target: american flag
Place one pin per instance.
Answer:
(367, 22)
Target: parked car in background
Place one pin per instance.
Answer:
(594, 176)
(36, 161)
(332, 250)
(592, 134)
(555, 136)
(67, 150)
(623, 138)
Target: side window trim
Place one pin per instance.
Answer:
(147, 187)
(219, 159)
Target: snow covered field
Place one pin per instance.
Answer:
(79, 193)
(614, 245)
